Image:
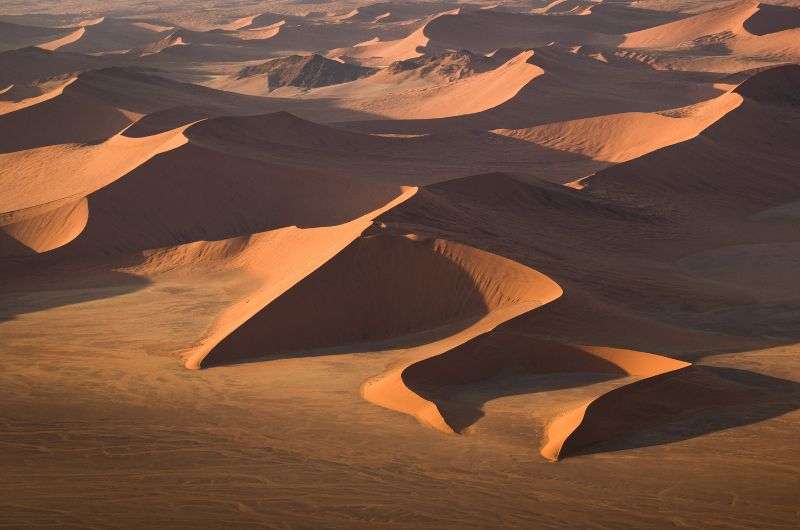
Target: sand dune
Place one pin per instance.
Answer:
(38, 231)
(189, 175)
(479, 31)
(505, 354)
(112, 35)
(747, 28)
(398, 285)
(678, 391)
(17, 97)
(30, 65)
(347, 219)
(468, 96)
(16, 36)
(434, 98)
(375, 52)
(623, 137)
(69, 39)
(728, 20)
(289, 263)
(744, 156)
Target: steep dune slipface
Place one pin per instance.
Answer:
(36, 231)
(188, 194)
(513, 356)
(16, 97)
(88, 120)
(381, 288)
(772, 19)
(728, 20)
(32, 65)
(63, 41)
(114, 35)
(665, 397)
(746, 160)
(15, 36)
(47, 208)
(623, 137)
(276, 261)
(382, 53)
(485, 30)
(747, 31)
(405, 99)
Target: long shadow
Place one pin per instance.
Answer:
(44, 281)
(461, 406)
(499, 364)
(737, 398)
(665, 408)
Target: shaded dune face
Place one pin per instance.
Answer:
(772, 19)
(379, 288)
(86, 121)
(192, 193)
(40, 231)
(777, 86)
(748, 158)
(673, 397)
(503, 354)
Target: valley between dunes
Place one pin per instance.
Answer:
(400, 265)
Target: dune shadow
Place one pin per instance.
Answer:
(723, 398)
(772, 19)
(44, 281)
(461, 406)
(387, 291)
(384, 291)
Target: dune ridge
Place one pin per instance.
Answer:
(69, 39)
(623, 137)
(286, 264)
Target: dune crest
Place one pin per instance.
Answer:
(623, 137)
(299, 252)
(391, 389)
(69, 39)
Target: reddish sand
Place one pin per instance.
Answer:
(446, 266)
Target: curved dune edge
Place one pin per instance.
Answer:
(82, 170)
(564, 431)
(376, 52)
(649, 402)
(383, 290)
(388, 390)
(716, 21)
(623, 137)
(7, 107)
(747, 27)
(280, 259)
(45, 231)
(471, 95)
(63, 41)
(38, 216)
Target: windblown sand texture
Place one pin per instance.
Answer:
(406, 264)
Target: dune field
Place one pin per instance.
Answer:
(402, 264)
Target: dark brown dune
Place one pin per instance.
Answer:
(772, 19)
(449, 65)
(659, 399)
(305, 72)
(743, 162)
